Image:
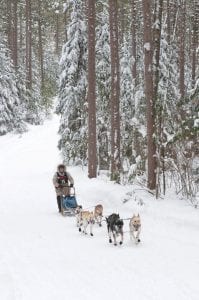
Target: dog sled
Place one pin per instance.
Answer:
(69, 203)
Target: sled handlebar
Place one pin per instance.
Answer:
(68, 186)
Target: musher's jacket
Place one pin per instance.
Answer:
(63, 180)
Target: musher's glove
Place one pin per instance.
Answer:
(71, 185)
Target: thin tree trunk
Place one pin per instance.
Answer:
(15, 33)
(9, 25)
(122, 22)
(65, 25)
(168, 22)
(182, 29)
(115, 92)
(148, 60)
(57, 34)
(156, 45)
(156, 50)
(28, 45)
(20, 29)
(40, 45)
(195, 34)
(92, 149)
(134, 37)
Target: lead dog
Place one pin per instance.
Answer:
(86, 218)
(115, 228)
(98, 214)
(135, 228)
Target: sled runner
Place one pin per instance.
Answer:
(69, 204)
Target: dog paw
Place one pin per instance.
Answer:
(100, 225)
(91, 234)
(110, 241)
(115, 244)
(139, 240)
(80, 230)
(121, 243)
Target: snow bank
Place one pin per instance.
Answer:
(43, 256)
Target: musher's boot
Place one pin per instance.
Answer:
(59, 203)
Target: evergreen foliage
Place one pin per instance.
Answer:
(72, 91)
(11, 109)
(103, 80)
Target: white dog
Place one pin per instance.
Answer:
(78, 215)
(135, 228)
(86, 218)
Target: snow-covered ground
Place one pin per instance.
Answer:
(44, 257)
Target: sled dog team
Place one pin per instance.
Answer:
(85, 218)
(63, 181)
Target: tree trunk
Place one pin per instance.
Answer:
(168, 22)
(148, 60)
(21, 29)
(195, 36)
(92, 149)
(15, 34)
(156, 50)
(57, 34)
(65, 25)
(9, 25)
(134, 37)
(115, 92)
(40, 52)
(28, 45)
(122, 24)
(182, 30)
(156, 45)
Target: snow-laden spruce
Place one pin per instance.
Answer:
(72, 91)
(103, 80)
(132, 133)
(127, 104)
(11, 113)
(35, 107)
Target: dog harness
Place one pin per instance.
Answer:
(136, 227)
(62, 179)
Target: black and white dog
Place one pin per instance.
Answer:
(115, 228)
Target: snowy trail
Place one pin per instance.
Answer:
(44, 257)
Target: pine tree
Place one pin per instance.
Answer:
(103, 80)
(11, 114)
(72, 91)
(127, 102)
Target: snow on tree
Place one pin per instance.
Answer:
(72, 103)
(132, 139)
(127, 100)
(115, 92)
(103, 79)
(168, 91)
(35, 105)
(11, 114)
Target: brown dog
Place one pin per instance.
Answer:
(98, 214)
(135, 228)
